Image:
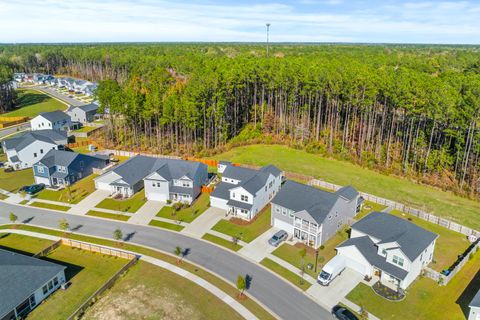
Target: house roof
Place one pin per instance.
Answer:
(413, 240)
(54, 116)
(222, 190)
(20, 276)
(239, 204)
(476, 300)
(63, 158)
(224, 162)
(348, 192)
(181, 190)
(26, 139)
(300, 197)
(89, 107)
(250, 179)
(369, 251)
(271, 169)
(139, 167)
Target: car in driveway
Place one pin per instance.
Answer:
(278, 238)
(342, 313)
(34, 188)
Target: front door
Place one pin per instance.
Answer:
(54, 181)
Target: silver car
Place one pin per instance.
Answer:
(277, 238)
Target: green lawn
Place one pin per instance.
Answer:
(107, 215)
(246, 232)
(12, 181)
(49, 206)
(166, 225)
(78, 191)
(131, 204)
(222, 242)
(85, 271)
(85, 129)
(441, 203)
(23, 244)
(3, 197)
(32, 102)
(425, 299)
(147, 290)
(288, 275)
(449, 243)
(188, 214)
(369, 207)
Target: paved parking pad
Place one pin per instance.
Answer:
(259, 248)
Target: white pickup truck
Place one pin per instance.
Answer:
(332, 269)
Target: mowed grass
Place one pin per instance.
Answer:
(86, 271)
(32, 102)
(425, 299)
(166, 225)
(222, 242)
(246, 232)
(12, 181)
(148, 292)
(199, 206)
(441, 203)
(49, 206)
(449, 243)
(113, 216)
(131, 204)
(78, 191)
(288, 275)
(23, 244)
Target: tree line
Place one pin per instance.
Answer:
(410, 110)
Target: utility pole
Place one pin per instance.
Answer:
(268, 30)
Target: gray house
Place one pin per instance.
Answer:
(163, 179)
(63, 168)
(312, 215)
(83, 114)
(26, 149)
(26, 282)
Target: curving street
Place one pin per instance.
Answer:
(282, 298)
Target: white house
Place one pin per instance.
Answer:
(475, 307)
(54, 120)
(25, 150)
(244, 192)
(389, 247)
(83, 114)
(26, 282)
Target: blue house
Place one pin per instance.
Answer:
(62, 168)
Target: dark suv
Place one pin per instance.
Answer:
(342, 313)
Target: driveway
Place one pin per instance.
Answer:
(147, 212)
(198, 227)
(89, 202)
(332, 294)
(275, 293)
(58, 95)
(259, 248)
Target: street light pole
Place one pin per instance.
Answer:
(268, 31)
(316, 260)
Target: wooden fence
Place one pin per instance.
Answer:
(11, 121)
(98, 248)
(48, 249)
(206, 189)
(80, 144)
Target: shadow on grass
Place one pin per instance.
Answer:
(467, 295)
(72, 269)
(28, 99)
(25, 253)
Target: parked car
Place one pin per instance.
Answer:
(342, 313)
(278, 238)
(331, 270)
(35, 188)
(24, 189)
(8, 169)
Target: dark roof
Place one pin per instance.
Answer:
(224, 162)
(20, 276)
(369, 250)
(349, 193)
(271, 169)
(250, 179)
(181, 190)
(476, 300)
(298, 197)
(63, 158)
(239, 204)
(21, 142)
(14, 159)
(222, 190)
(89, 107)
(413, 240)
(54, 116)
(239, 173)
(137, 168)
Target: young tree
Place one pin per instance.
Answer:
(117, 234)
(178, 252)
(63, 225)
(302, 254)
(13, 218)
(241, 284)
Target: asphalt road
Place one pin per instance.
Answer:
(60, 96)
(283, 299)
(9, 130)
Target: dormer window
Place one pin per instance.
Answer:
(398, 260)
(244, 198)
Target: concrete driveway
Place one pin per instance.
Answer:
(89, 202)
(259, 248)
(332, 294)
(204, 222)
(147, 212)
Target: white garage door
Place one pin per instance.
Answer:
(156, 196)
(102, 186)
(283, 225)
(43, 180)
(355, 265)
(218, 203)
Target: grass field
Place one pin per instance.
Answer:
(425, 299)
(166, 225)
(147, 290)
(32, 102)
(188, 214)
(288, 275)
(107, 215)
(222, 242)
(23, 244)
(131, 204)
(49, 206)
(86, 129)
(78, 191)
(246, 232)
(441, 203)
(12, 181)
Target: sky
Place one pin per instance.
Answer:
(388, 21)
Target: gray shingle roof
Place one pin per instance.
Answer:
(412, 239)
(89, 107)
(250, 179)
(239, 204)
(224, 162)
(181, 190)
(20, 276)
(21, 142)
(347, 192)
(54, 116)
(64, 158)
(271, 169)
(298, 197)
(476, 300)
(368, 249)
(222, 190)
(239, 173)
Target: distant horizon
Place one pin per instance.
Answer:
(443, 22)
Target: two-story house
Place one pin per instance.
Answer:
(26, 149)
(83, 114)
(312, 215)
(389, 247)
(63, 168)
(54, 120)
(244, 192)
(163, 179)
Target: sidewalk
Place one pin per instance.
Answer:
(147, 212)
(198, 227)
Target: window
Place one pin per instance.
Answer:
(45, 289)
(55, 281)
(50, 285)
(233, 195)
(330, 217)
(186, 184)
(40, 169)
(41, 151)
(244, 197)
(153, 184)
(284, 211)
(34, 154)
(82, 164)
(398, 260)
(265, 188)
(421, 257)
(336, 214)
(277, 209)
(384, 252)
(291, 215)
